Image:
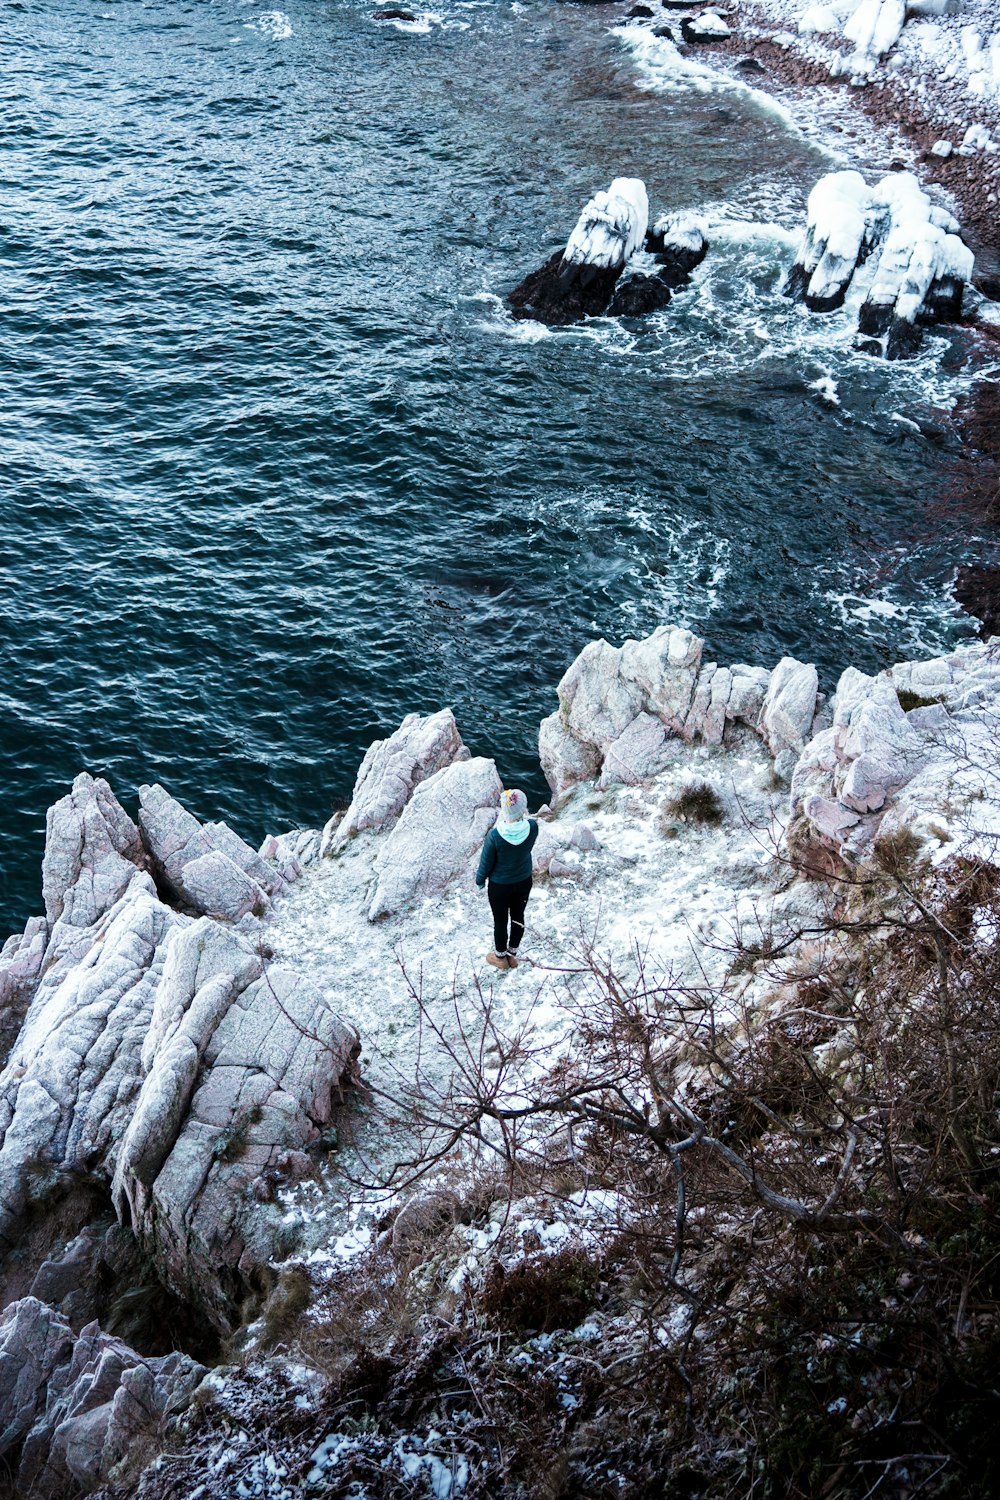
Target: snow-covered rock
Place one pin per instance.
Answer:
(390, 771)
(579, 281)
(874, 28)
(437, 837)
(707, 26)
(73, 1407)
(915, 263)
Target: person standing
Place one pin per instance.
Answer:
(506, 863)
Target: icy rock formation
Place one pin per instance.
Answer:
(916, 264)
(438, 834)
(677, 243)
(873, 26)
(620, 707)
(74, 1408)
(579, 282)
(207, 866)
(392, 769)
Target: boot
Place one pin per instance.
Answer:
(498, 960)
(511, 957)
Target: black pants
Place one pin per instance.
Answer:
(508, 901)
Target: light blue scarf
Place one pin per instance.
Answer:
(514, 833)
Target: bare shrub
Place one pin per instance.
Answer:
(698, 802)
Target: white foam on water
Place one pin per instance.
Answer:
(664, 69)
(271, 23)
(921, 626)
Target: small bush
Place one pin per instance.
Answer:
(541, 1294)
(696, 803)
(909, 700)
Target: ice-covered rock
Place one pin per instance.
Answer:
(437, 837)
(75, 1407)
(392, 769)
(916, 264)
(580, 280)
(207, 866)
(837, 239)
(678, 242)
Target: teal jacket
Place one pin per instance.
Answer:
(503, 863)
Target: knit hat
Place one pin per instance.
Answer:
(513, 806)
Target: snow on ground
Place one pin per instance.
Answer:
(671, 892)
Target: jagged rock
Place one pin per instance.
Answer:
(92, 852)
(390, 771)
(67, 1091)
(209, 867)
(636, 296)
(578, 282)
(73, 1409)
(21, 961)
(619, 709)
(437, 837)
(243, 1067)
(290, 853)
(789, 705)
(917, 262)
(678, 243)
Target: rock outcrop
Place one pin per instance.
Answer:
(437, 836)
(620, 708)
(160, 1055)
(390, 772)
(916, 265)
(79, 1410)
(207, 866)
(579, 282)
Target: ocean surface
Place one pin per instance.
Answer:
(277, 468)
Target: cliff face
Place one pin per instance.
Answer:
(190, 1010)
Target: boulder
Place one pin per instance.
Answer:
(437, 837)
(209, 867)
(75, 1408)
(579, 281)
(390, 772)
(789, 705)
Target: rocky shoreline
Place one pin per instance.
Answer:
(181, 1055)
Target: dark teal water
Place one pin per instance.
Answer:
(277, 469)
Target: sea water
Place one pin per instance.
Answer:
(277, 466)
